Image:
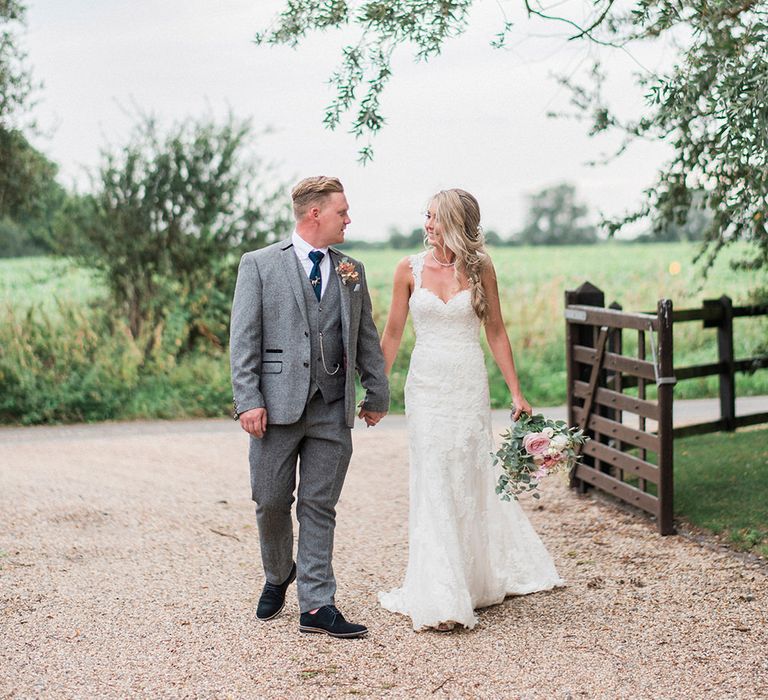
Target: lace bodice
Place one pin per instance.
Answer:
(438, 322)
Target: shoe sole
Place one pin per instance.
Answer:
(320, 630)
(272, 617)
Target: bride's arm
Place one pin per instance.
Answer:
(498, 341)
(398, 313)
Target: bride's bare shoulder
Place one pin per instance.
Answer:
(403, 269)
(403, 265)
(486, 264)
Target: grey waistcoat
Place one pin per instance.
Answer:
(325, 317)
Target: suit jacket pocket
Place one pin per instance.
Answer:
(271, 367)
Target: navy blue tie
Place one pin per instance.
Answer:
(314, 274)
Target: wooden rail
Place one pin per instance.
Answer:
(616, 459)
(719, 314)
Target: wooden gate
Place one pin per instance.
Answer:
(616, 459)
(626, 428)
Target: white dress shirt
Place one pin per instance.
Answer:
(302, 250)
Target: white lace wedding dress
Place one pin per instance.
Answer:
(467, 548)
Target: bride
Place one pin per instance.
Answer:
(467, 548)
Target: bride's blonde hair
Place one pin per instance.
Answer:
(458, 213)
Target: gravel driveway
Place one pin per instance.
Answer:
(129, 567)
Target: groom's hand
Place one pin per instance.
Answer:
(371, 417)
(254, 422)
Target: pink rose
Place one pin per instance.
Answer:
(535, 443)
(551, 463)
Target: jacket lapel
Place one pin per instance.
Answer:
(292, 273)
(343, 293)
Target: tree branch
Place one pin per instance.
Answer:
(582, 31)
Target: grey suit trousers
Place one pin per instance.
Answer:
(321, 442)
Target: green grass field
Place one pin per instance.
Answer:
(721, 483)
(532, 282)
(44, 282)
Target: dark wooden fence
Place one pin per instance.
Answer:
(719, 314)
(625, 428)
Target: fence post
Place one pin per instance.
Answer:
(666, 445)
(588, 295)
(612, 380)
(725, 358)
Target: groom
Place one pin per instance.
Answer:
(301, 328)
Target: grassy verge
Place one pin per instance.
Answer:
(80, 364)
(721, 485)
(58, 363)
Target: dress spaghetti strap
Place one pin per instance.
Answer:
(417, 265)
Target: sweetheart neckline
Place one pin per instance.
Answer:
(440, 299)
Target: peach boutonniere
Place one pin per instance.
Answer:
(347, 271)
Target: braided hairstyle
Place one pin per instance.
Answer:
(458, 213)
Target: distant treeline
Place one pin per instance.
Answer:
(554, 217)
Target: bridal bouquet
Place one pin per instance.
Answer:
(531, 449)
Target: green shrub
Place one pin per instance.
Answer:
(83, 365)
(197, 386)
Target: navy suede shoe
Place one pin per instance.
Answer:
(272, 598)
(328, 620)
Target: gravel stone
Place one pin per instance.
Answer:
(129, 568)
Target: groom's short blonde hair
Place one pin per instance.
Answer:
(313, 190)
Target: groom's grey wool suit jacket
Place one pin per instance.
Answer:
(270, 344)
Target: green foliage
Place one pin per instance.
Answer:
(415, 239)
(176, 381)
(492, 238)
(366, 63)
(712, 106)
(197, 385)
(556, 218)
(169, 216)
(16, 241)
(77, 367)
(692, 228)
(15, 80)
(82, 364)
(357, 244)
(720, 485)
(30, 197)
(29, 193)
(521, 471)
(401, 241)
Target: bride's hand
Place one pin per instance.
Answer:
(520, 405)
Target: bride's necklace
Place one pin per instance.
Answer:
(442, 264)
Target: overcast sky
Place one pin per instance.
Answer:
(474, 117)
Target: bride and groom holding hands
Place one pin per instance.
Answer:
(302, 328)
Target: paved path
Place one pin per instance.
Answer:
(129, 568)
